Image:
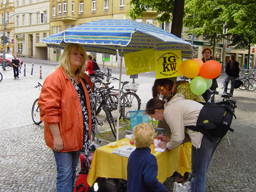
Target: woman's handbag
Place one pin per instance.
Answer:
(238, 83)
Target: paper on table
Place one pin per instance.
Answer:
(124, 150)
(158, 149)
(129, 136)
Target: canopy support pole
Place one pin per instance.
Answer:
(119, 88)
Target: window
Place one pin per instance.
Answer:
(18, 3)
(17, 20)
(42, 18)
(94, 5)
(30, 18)
(20, 45)
(45, 35)
(64, 7)
(73, 5)
(31, 1)
(53, 11)
(24, 2)
(165, 26)
(81, 7)
(69, 26)
(59, 8)
(45, 17)
(121, 5)
(23, 20)
(37, 37)
(149, 21)
(106, 5)
(139, 20)
(38, 18)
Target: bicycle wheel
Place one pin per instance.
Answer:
(98, 102)
(129, 102)
(36, 113)
(1, 77)
(252, 84)
(245, 84)
(110, 119)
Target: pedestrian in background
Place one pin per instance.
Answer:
(66, 107)
(16, 65)
(142, 165)
(232, 71)
(89, 66)
(207, 55)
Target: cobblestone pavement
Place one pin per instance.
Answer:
(26, 164)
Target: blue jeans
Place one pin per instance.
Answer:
(66, 170)
(200, 161)
(233, 81)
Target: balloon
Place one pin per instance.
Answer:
(189, 68)
(210, 69)
(198, 85)
(208, 83)
(199, 62)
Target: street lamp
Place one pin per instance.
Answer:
(5, 22)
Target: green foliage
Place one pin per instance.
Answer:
(206, 18)
(163, 7)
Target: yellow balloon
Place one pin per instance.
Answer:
(189, 68)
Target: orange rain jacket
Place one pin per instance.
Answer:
(59, 103)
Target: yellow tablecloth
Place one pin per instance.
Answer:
(109, 165)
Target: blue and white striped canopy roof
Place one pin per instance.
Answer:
(105, 36)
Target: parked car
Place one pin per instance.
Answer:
(8, 59)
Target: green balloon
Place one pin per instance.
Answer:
(208, 83)
(198, 85)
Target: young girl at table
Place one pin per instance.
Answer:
(142, 165)
(179, 113)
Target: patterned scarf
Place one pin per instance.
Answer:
(86, 143)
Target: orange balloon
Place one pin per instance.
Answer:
(199, 62)
(210, 69)
(189, 68)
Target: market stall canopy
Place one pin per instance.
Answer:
(108, 35)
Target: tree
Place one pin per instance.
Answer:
(167, 9)
(204, 18)
(240, 17)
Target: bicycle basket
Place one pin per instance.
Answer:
(131, 86)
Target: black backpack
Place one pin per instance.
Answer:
(95, 65)
(215, 119)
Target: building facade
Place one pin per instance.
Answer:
(32, 20)
(9, 28)
(31, 25)
(65, 14)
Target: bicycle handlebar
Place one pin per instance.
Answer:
(38, 85)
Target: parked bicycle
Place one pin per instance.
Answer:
(35, 112)
(248, 80)
(103, 94)
(129, 100)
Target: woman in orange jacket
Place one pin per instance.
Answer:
(66, 107)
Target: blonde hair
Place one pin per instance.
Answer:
(143, 135)
(64, 59)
